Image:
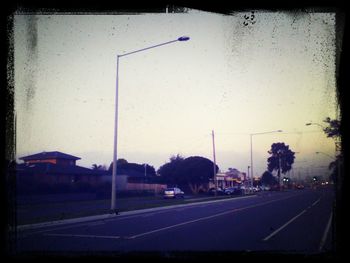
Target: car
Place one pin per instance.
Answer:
(265, 188)
(257, 189)
(218, 191)
(233, 190)
(173, 192)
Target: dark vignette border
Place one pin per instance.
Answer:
(8, 116)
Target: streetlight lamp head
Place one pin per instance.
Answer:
(308, 124)
(279, 131)
(183, 38)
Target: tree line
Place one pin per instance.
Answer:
(195, 172)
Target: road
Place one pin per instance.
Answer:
(298, 221)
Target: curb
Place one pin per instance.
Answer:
(112, 215)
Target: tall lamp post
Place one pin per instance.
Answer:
(251, 152)
(114, 171)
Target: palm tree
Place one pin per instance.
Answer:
(281, 159)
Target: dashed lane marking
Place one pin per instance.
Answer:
(282, 227)
(325, 233)
(290, 221)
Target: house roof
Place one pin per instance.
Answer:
(49, 155)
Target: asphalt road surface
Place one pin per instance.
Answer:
(298, 221)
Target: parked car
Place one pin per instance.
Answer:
(173, 192)
(233, 190)
(257, 189)
(218, 191)
(265, 188)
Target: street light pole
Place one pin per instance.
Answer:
(214, 164)
(251, 157)
(251, 152)
(248, 171)
(114, 170)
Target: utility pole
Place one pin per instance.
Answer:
(114, 170)
(279, 171)
(251, 159)
(215, 179)
(248, 173)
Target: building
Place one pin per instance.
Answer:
(56, 167)
(51, 157)
(229, 178)
(52, 168)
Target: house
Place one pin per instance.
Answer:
(60, 168)
(51, 157)
(56, 167)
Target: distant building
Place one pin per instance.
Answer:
(229, 178)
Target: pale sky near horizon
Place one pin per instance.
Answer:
(276, 73)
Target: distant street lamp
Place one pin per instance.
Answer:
(251, 152)
(114, 171)
(314, 123)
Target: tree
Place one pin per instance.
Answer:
(170, 171)
(119, 163)
(268, 179)
(197, 171)
(193, 171)
(281, 159)
(123, 166)
(333, 131)
(96, 167)
(333, 128)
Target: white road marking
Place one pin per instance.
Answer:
(316, 202)
(290, 221)
(88, 236)
(325, 233)
(286, 224)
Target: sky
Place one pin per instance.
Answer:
(240, 74)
